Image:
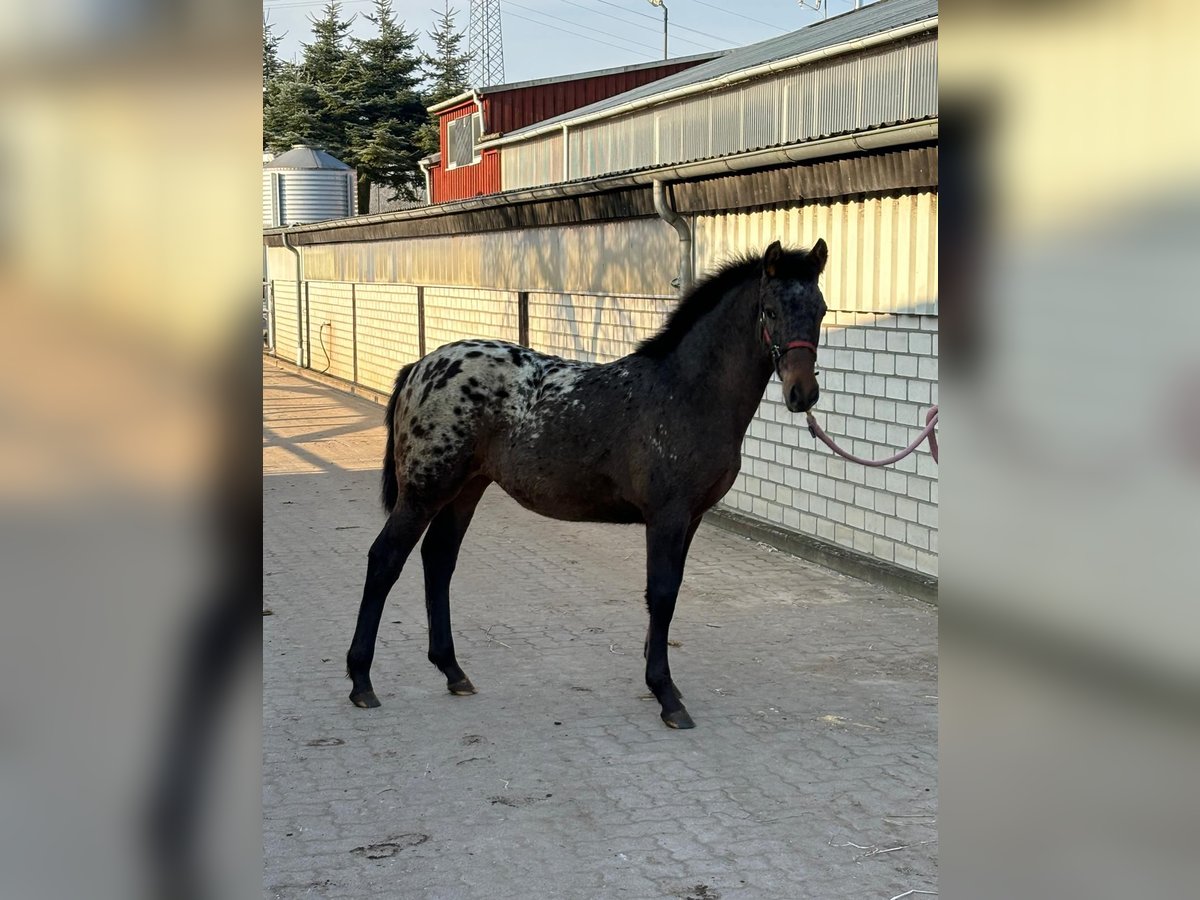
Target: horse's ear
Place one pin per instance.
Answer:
(818, 255)
(771, 259)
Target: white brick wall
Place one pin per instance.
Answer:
(878, 378)
(387, 332)
(593, 327)
(456, 313)
(285, 320)
(330, 319)
(878, 375)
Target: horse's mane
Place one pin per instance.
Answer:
(706, 295)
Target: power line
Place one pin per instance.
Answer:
(289, 4)
(565, 31)
(655, 19)
(738, 15)
(618, 37)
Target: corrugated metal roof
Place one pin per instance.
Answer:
(301, 157)
(597, 73)
(873, 19)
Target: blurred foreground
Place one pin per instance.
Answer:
(129, 266)
(1070, 637)
(129, 488)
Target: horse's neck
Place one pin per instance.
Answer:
(724, 360)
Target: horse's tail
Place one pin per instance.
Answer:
(391, 487)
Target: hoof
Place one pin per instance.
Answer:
(365, 699)
(678, 719)
(462, 687)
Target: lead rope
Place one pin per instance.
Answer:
(927, 433)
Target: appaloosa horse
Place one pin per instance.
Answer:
(546, 430)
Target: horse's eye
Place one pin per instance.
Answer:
(770, 314)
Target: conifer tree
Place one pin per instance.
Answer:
(307, 102)
(447, 71)
(385, 107)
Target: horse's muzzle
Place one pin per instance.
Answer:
(798, 376)
(799, 400)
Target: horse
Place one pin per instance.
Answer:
(481, 411)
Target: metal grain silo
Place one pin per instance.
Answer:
(307, 185)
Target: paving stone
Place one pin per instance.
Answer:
(814, 694)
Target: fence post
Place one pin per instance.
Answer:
(307, 364)
(271, 322)
(354, 329)
(421, 320)
(523, 318)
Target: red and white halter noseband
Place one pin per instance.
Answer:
(778, 352)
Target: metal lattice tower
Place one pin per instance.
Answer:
(486, 43)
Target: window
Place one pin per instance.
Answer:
(462, 134)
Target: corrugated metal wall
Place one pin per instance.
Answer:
(281, 263)
(456, 313)
(387, 332)
(287, 329)
(304, 197)
(880, 87)
(878, 360)
(270, 205)
(331, 321)
(534, 162)
(882, 250)
(593, 327)
(629, 257)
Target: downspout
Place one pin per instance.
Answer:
(424, 167)
(478, 101)
(676, 221)
(566, 154)
(299, 300)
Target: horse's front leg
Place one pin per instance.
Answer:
(667, 542)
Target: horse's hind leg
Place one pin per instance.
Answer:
(439, 554)
(384, 562)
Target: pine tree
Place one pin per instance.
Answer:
(447, 71)
(270, 60)
(307, 102)
(384, 106)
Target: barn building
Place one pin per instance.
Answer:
(464, 168)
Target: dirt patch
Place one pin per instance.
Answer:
(389, 848)
(517, 802)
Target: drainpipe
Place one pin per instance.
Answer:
(478, 101)
(566, 154)
(663, 207)
(424, 166)
(299, 300)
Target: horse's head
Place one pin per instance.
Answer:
(790, 313)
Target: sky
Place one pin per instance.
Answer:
(543, 38)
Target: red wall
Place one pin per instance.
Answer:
(505, 111)
(465, 181)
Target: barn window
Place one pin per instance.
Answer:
(462, 134)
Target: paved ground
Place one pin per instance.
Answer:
(812, 772)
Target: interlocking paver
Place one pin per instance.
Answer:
(814, 696)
